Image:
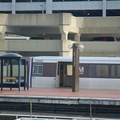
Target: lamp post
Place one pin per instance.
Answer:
(75, 82)
(43, 8)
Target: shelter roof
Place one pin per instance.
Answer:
(10, 55)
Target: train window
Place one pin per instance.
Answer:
(101, 70)
(61, 67)
(37, 69)
(69, 70)
(115, 71)
(92, 71)
(98, 71)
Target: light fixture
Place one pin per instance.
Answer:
(70, 46)
(79, 46)
(88, 13)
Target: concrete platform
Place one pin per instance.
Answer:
(61, 96)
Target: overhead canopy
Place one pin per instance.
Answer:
(10, 55)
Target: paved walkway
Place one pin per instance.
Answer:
(63, 92)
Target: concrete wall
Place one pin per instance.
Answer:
(33, 20)
(106, 25)
(90, 48)
(101, 49)
(3, 46)
(34, 45)
(59, 24)
(40, 46)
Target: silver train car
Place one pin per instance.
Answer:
(94, 72)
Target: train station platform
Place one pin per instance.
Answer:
(61, 96)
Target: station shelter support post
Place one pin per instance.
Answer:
(25, 77)
(1, 74)
(19, 64)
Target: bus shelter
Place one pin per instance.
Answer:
(13, 71)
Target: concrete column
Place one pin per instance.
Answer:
(2, 32)
(13, 7)
(64, 30)
(1, 36)
(3, 43)
(65, 50)
(64, 35)
(48, 6)
(104, 8)
(77, 37)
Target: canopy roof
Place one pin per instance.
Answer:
(11, 55)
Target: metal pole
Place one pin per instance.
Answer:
(75, 85)
(42, 8)
(30, 107)
(90, 112)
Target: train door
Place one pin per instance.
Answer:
(65, 74)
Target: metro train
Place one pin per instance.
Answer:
(94, 72)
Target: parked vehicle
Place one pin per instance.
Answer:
(95, 72)
(106, 39)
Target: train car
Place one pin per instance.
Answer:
(94, 72)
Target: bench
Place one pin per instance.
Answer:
(10, 80)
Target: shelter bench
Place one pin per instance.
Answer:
(10, 82)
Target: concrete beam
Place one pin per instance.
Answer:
(103, 47)
(34, 45)
(32, 20)
(98, 22)
(103, 30)
(54, 21)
